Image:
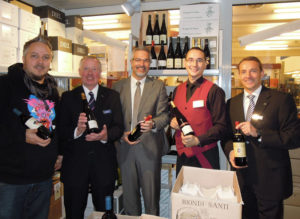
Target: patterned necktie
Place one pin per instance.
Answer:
(92, 102)
(250, 107)
(136, 103)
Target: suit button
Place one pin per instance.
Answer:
(247, 142)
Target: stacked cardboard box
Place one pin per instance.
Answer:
(74, 29)
(78, 51)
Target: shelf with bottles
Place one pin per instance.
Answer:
(180, 72)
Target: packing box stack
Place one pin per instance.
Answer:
(54, 19)
(78, 51)
(188, 206)
(8, 33)
(62, 54)
(74, 29)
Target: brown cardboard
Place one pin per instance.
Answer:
(184, 206)
(55, 210)
(291, 212)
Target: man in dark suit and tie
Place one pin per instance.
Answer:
(140, 161)
(270, 125)
(89, 159)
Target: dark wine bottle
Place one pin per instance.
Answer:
(163, 31)
(207, 54)
(153, 64)
(149, 32)
(92, 125)
(239, 148)
(156, 31)
(178, 55)
(162, 59)
(136, 43)
(170, 55)
(136, 132)
(33, 123)
(185, 127)
(109, 213)
(185, 51)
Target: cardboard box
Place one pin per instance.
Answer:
(291, 212)
(29, 22)
(295, 167)
(24, 36)
(295, 153)
(184, 205)
(98, 215)
(78, 51)
(62, 54)
(54, 19)
(75, 34)
(9, 35)
(8, 55)
(9, 14)
(74, 21)
(55, 210)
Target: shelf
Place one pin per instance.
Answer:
(180, 72)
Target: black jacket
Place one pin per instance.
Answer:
(20, 162)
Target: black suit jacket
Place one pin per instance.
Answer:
(269, 168)
(77, 152)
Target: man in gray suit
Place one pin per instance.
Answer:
(140, 161)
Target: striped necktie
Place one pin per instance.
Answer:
(136, 103)
(92, 102)
(250, 107)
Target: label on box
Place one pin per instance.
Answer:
(79, 50)
(49, 12)
(74, 21)
(60, 43)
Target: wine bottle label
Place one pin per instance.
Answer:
(170, 63)
(33, 123)
(148, 39)
(212, 60)
(153, 63)
(178, 62)
(239, 149)
(162, 62)
(93, 124)
(186, 129)
(156, 39)
(163, 37)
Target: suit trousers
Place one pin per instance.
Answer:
(76, 192)
(255, 207)
(140, 173)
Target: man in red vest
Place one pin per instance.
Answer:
(203, 104)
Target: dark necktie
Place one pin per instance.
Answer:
(250, 107)
(136, 103)
(92, 102)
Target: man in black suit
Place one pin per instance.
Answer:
(270, 130)
(89, 159)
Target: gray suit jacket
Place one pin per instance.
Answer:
(154, 102)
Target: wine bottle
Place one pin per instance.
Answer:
(156, 31)
(163, 31)
(33, 123)
(239, 148)
(207, 54)
(162, 60)
(170, 55)
(109, 213)
(185, 127)
(185, 51)
(178, 55)
(136, 132)
(199, 43)
(149, 32)
(153, 64)
(136, 43)
(92, 125)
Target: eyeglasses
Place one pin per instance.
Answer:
(191, 61)
(142, 60)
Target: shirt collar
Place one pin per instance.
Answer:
(133, 81)
(94, 90)
(255, 93)
(197, 83)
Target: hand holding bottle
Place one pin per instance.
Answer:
(189, 140)
(32, 138)
(81, 124)
(101, 136)
(147, 125)
(125, 138)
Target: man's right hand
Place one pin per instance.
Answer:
(174, 124)
(125, 138)
(32, 138)
(81, 124)
(231, 159)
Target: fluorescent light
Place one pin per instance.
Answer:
(286, 16)
(101, 26)
(112, 21)
(100, 17)
(266, 47)
(287, 10)
(291, 72)
(284, 38)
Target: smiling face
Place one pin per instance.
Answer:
(250, 75)
(195, 64)
(140, 64)
(90, 70)
(36, 61)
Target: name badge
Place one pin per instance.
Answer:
(257, 117)
(198, 103)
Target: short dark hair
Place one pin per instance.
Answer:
(198, 49)
(140, 48)
(251, 58)
(40, 39)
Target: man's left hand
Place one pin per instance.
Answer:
(247, 128)
(189, 140)
(146, 126)
(101, 136)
